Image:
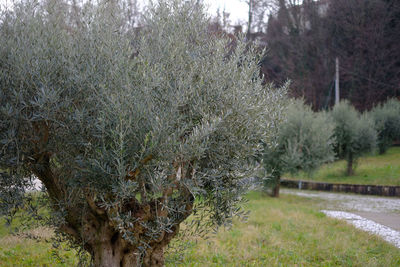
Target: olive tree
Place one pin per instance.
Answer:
(354, 133)
(304, 142)
(129, 131)
(387, 123)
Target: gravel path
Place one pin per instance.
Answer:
(385, 232)
(351, 202)
(376, 215)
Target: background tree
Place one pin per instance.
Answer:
(387, 123)
(304, 142)
(364, 36)
(130, 134)
(305, 37)
(258, 11)
(299, 51)
(221, 21)
(355, 133)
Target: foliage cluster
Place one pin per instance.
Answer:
(355, 133)
(129, 131)
(305, 141)
(387, 123)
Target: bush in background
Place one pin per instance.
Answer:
(354, 133)
(387, 123)
(305, 142)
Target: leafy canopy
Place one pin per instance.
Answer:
(387, 123)
(355, 133)
(110, 117)
(305, 141)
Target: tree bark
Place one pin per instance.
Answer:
(109, 249)
(94, 227)
(350, 161)
(112, 255)
(155, 257)
(275, 190)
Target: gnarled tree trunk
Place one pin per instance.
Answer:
(112, 255)
(95, 227)
(109, 249)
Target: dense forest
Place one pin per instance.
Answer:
(303, 39)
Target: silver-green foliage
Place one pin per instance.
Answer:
(105, 115)
(305, 141)
(355, 133)
(387, 123)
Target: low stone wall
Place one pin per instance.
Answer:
(378, 190)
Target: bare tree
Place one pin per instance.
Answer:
(258, 11)
(364, 34)
(304, 38)
(297, 50)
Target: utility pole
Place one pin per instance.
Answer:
(337, 82)
(251, 4)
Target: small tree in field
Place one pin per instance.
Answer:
(304, 142)
(129, 133)
(387, 123)
(354, 134)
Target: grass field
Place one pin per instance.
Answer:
(371, 169)
(289, 231)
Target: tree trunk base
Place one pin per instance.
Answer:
(275, 190)
(349, 170)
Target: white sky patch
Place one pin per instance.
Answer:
(238, 9)
(5, 3)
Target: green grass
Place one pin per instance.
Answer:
(371, 169)
(20, 251)
(289, 231)
(17, 251)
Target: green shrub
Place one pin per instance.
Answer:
(387, 123)
(305, 142)
(129, 132)
(354, 134)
